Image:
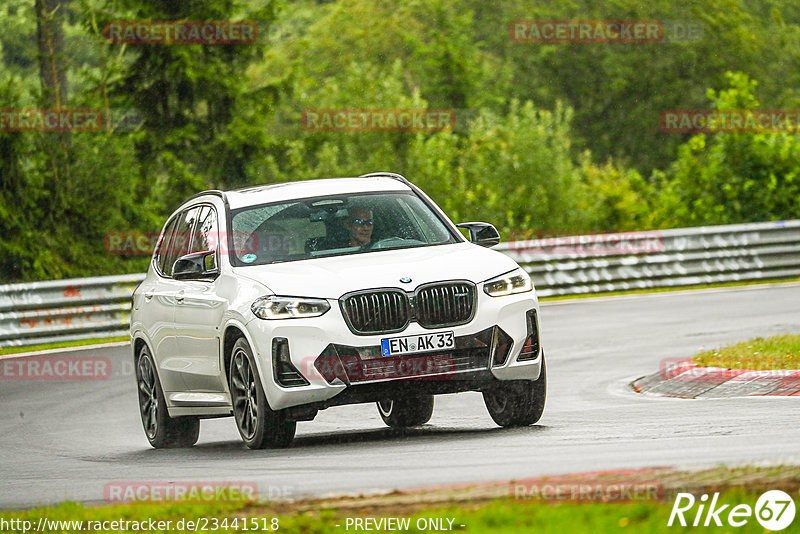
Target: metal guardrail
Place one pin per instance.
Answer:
(66, 310)
(43, 312)
(666, 258)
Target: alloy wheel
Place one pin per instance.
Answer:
(243, 390)
(148, 396)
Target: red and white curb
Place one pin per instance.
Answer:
(688, 380)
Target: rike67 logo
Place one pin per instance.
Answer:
(774, 510)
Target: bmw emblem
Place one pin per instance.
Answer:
(405, 280)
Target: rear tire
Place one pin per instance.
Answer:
(259, 425)
(517, 403)
(162, 431)
(407, 411)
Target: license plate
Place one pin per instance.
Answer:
(418, 343)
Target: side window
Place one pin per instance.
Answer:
(206, 234)
(164, 244)
(179, 245)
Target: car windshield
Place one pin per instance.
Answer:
(333, 226)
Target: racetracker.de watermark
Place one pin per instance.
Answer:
(586, 490)
(50, 120)
(688, 369)
(196, 492)
(586, 31)
(646, 242)
(56, 368)
(181, 32)
(134, 243)
(604, 31)
(378, 120)
(730, 121)
(70, 120)
(433, 366)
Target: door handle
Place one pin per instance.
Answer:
(179, 297)
(148, 295)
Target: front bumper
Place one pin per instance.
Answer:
(333, 359)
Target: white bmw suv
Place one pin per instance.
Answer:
(271, 303)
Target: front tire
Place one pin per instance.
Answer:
(259, 425)
(517, 403)
(407, 411)
(162, 431)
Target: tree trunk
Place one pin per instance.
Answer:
(53, 80)
(50, 40)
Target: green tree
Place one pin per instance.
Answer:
(613, 198)
(514, 170)
(196, 101)
(725, 178)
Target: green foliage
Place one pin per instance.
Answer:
(514, 169)
(558, 137)
(613, 198)
(618, 90)
(313, 154)
(727, 178)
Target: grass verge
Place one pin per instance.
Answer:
(63, 344)
(485, 508)
(499, 516)
(776, 352)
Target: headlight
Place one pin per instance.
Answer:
(517, 281)
(274, 307)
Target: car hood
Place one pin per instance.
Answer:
(332, 277)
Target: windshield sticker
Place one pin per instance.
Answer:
(249, 258)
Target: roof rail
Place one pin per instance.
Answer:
(215, 192)
(394, 175)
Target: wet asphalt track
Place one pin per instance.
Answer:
(67, 440)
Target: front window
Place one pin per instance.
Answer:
(333, 226)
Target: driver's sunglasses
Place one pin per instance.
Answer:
(361, 222)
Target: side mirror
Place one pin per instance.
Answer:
(481, 233)
(196, 266)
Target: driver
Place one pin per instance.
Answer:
(360, 223)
